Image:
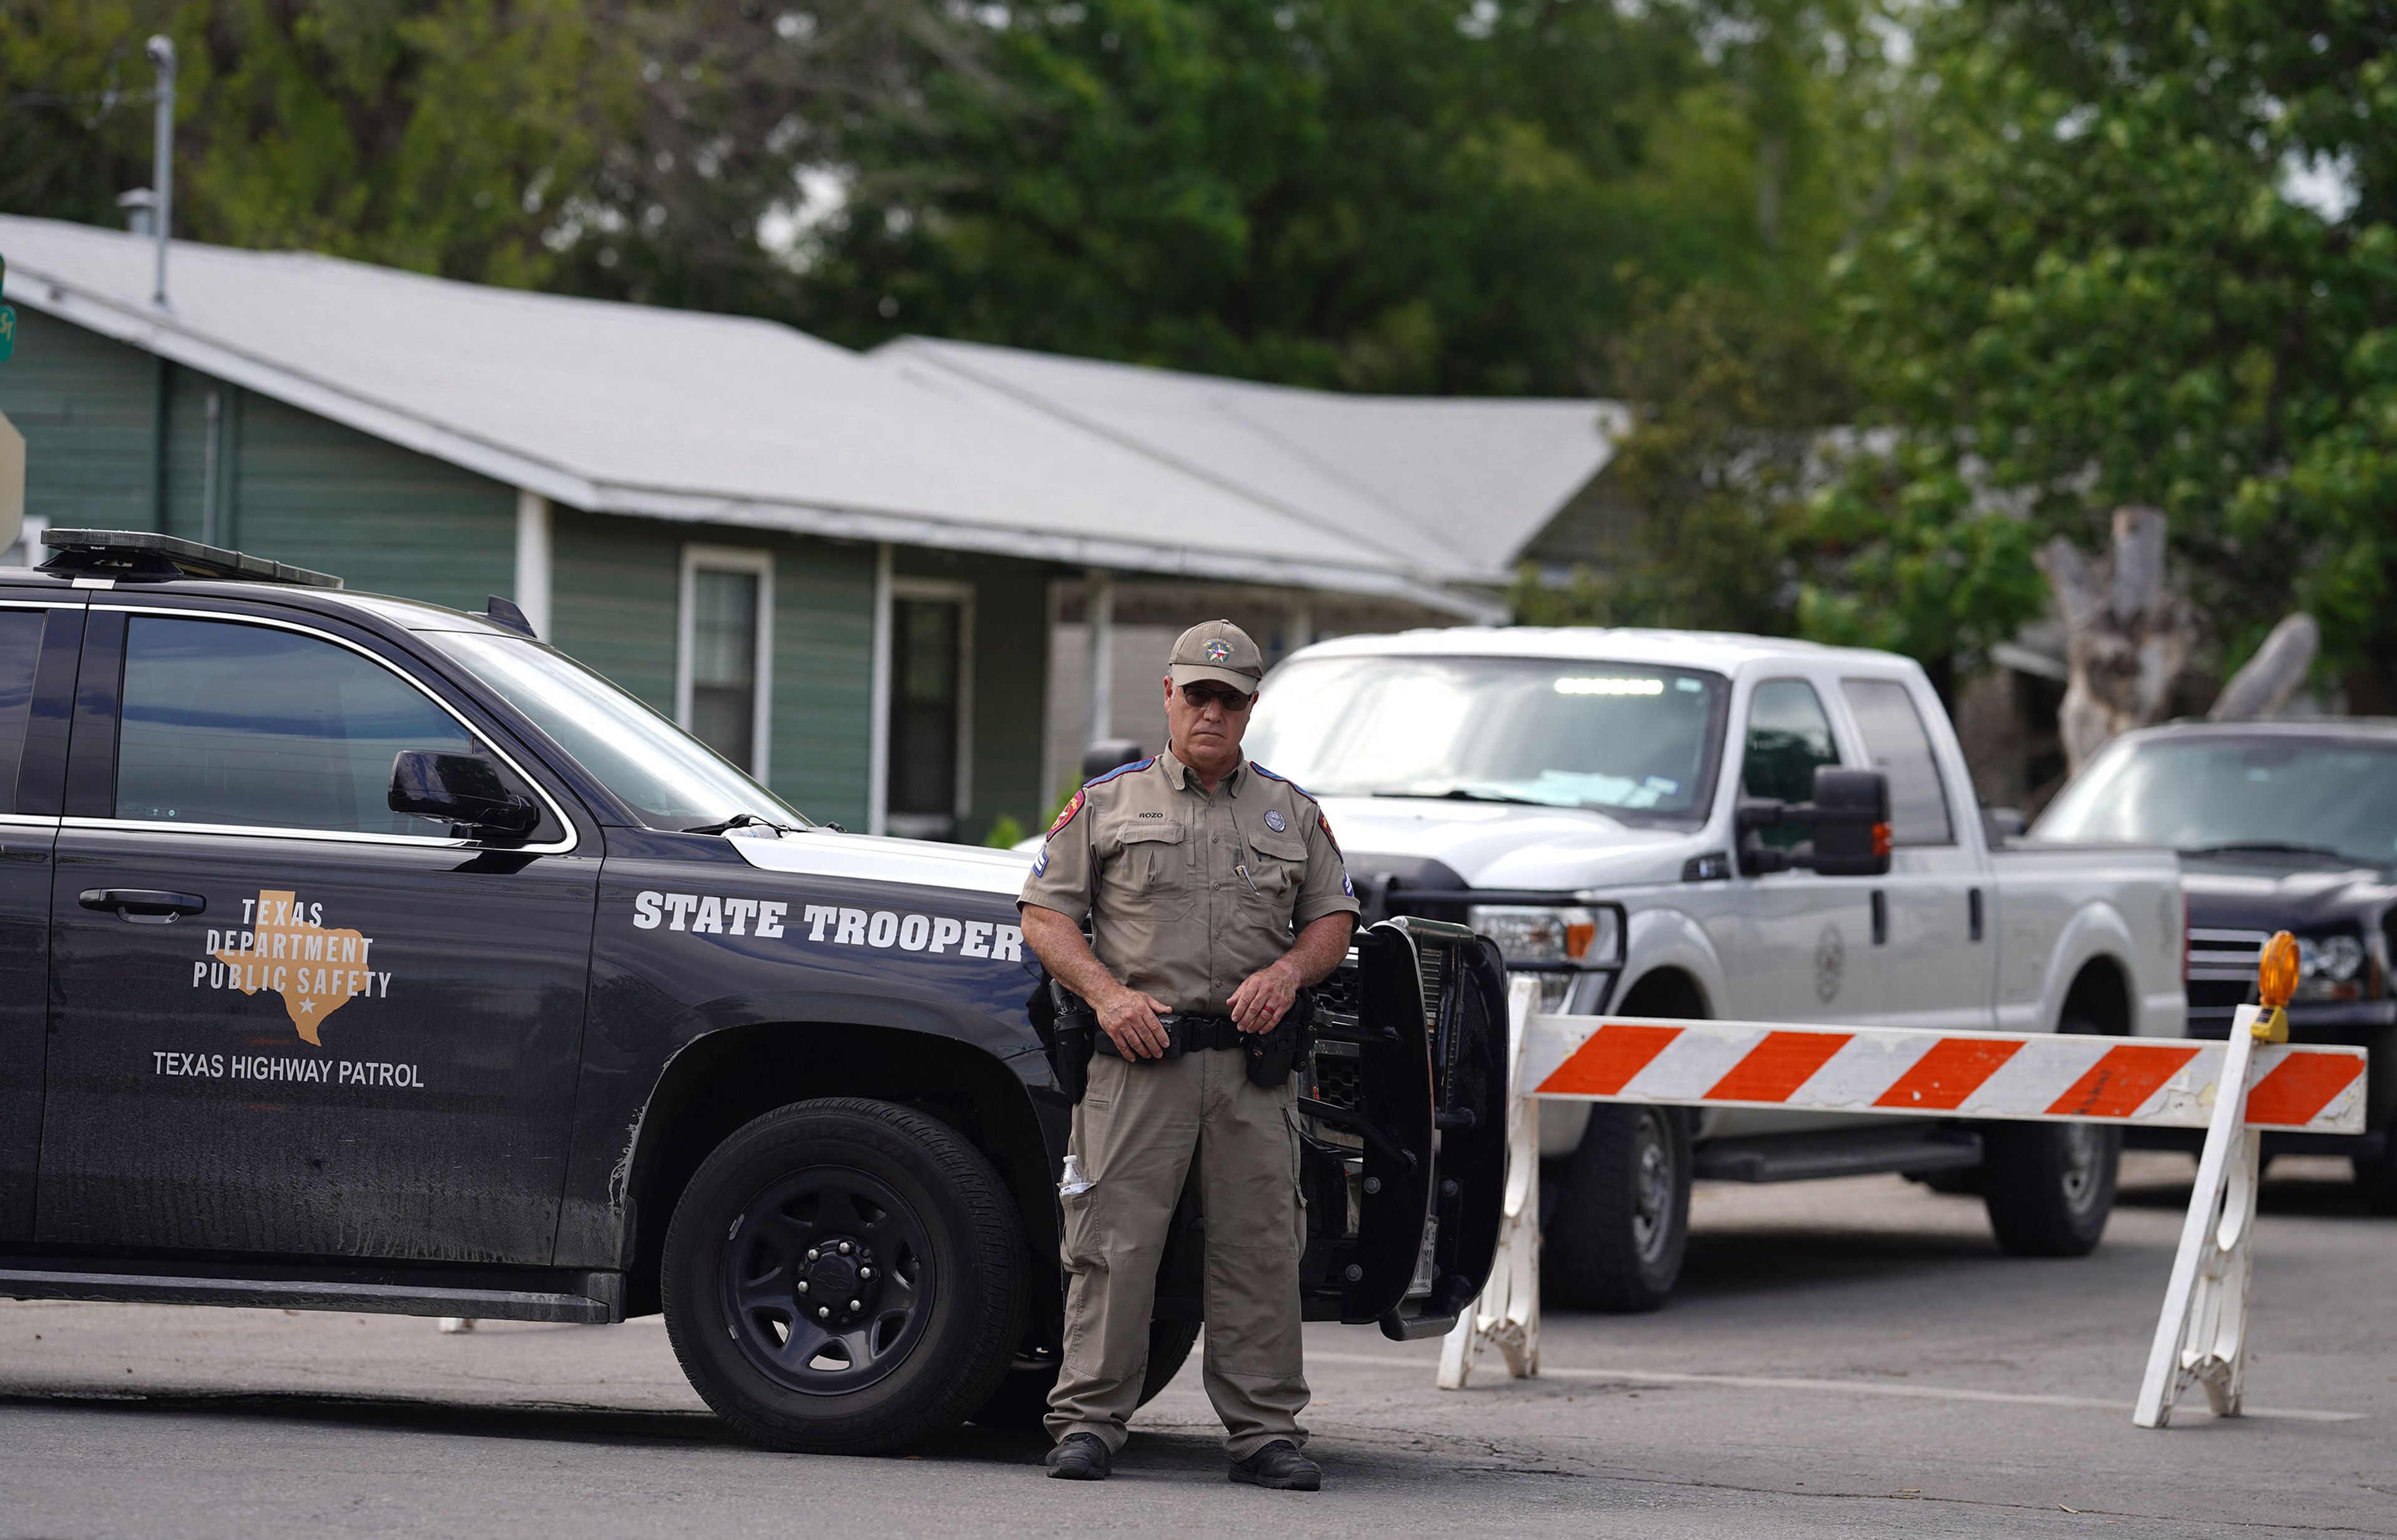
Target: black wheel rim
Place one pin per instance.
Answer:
(828, 1281)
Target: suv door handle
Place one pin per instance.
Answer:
(143, 906)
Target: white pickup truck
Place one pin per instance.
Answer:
(1624, 812)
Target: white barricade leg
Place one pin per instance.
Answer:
(1507, 1316)
(2201, 1336)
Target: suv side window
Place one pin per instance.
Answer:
(1789, 735)
(246, 725)
(21, 648)
(1901, 750)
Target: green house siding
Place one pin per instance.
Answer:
(824, 672)
(84, 405)
(1010, 669)
(615, 596)
(389, 520)
(614, 587)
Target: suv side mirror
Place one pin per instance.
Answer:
(464, 789)
(1849, 814)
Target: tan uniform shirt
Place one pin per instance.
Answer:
(1190, 892)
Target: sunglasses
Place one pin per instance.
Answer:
(1199, 697)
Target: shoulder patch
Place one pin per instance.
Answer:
(1064, 818)
(1325, 825)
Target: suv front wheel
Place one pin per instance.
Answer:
(844, 1277)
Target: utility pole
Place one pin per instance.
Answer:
(161, 50)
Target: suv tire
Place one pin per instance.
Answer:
(1022, 1399)
(823, 1200)
(1620, 1225)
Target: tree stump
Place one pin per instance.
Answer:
(2128, 635)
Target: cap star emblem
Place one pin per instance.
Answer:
(1218, 651)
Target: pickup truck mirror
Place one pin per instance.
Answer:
(464, 789)
(1850, 816)
(1851, 819)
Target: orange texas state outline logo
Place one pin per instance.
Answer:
(283, 946)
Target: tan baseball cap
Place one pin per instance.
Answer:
(1218, 651)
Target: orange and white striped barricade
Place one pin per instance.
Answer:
(2147, 1082)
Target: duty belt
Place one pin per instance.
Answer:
(1184, 1033)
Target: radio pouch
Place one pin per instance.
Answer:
(1071, 1038)
(1271, 1055)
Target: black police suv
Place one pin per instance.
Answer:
(2281, 826)
(357, 953)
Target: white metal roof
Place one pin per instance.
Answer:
(684, 415)
(1473, 479)
(1724, 652)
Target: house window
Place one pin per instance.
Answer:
(724, 684)
(930, 686)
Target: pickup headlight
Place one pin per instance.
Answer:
(2330, 966)
(1553, 938)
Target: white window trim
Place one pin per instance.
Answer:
(962, 595)
(730, 559)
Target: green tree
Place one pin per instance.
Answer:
(1379, 194)
(2146, 255)
(1731, 405)
(626, 148)
(431, 136)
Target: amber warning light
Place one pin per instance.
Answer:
(2276, 973)
(2276, 980)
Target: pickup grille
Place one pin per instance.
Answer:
(2221, 976)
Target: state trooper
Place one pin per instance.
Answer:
(1215, 893)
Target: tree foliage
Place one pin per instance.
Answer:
(1730, 405)
(2107, 282)
(1377, 195)
(629, 148)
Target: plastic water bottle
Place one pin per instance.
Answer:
(1071, 1180)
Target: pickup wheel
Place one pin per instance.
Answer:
(2049, 1187)
(844, 1277)
(1621, 1223)
(1022, 1399)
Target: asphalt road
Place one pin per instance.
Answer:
(1848, 1357)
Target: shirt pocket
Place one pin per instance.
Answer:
(1276, 865)
(1150, 866)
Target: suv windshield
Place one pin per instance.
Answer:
(670, 778)
(2262, 796)
(1630, 738)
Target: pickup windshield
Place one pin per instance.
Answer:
(1630, 738)
(2265, 799)
(670, 778)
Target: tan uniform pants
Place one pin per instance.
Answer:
(1134, 1135)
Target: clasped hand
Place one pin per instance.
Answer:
(1130, 1016)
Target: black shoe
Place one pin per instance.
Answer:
(1079, 1457)
(1279, 1466)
